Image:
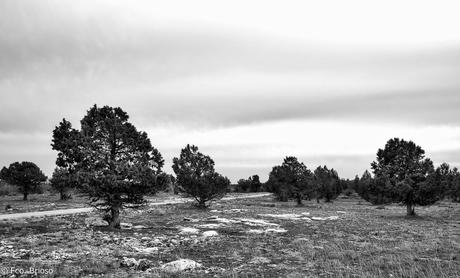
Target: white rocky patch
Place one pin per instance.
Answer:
(126, 226)
(234, 210)
(256, 222)
(266, 231)
(189, 230)
(325, 218)
(180, 265)
(211, 226)
(210, 233)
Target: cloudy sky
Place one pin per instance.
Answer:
(249, 82)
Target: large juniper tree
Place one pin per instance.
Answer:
(27, 176)
(197, 178)
(409, 176)
(117, 164)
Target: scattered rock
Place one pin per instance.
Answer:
(148, 250)
(341, 211)
(266, 231)
(8, 208)
(189, 230)
(325, 218)
(257, 222)
(234, 210)
(180, 265)
(126, 226)
(210, 233)
(129, 262)
(138, 227)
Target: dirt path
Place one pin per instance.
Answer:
(86, 210)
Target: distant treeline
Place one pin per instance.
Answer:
(116, 165)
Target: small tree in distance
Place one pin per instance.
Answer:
(197, 178)
(291, 179)
(62, 182)
(26, 175)
(327, 184)
(252, 184)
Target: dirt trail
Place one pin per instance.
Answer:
(86, 210)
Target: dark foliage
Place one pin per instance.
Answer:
(404, 175)
(291, 179)
(197, 178)
(252, 184)
(115, 164)
(25, 175)
(327, 184)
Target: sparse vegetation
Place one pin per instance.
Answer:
(361, 242)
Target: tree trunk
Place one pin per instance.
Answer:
(299, 200)
(202, 204)
(317, 200)
(410, 210)
(25, 196)
(115, 216)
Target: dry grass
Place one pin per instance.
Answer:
(363, 242)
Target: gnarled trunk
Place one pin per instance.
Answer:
(410, 209)
(299, 199)
(25, 196)
(114, 221)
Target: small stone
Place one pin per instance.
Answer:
(126, 226)
(210, 233)
(180, 265)
(139, 227)
(129, 262)
(189, 230)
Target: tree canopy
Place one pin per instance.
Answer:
(407, 176)
(115, 163)
(26, 175)
(197, 178)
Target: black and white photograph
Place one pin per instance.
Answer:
(238, 139)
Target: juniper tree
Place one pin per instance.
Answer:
(291, 179)
(326, 184)
(117, 164)
(62, 182)
(410, 177)
(27, 176)
(197, 178)
(252, 184)
(67, 142)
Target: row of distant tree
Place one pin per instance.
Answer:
(115, 165)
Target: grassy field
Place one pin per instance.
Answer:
(256, 238)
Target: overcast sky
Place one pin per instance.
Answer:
(248, 82)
